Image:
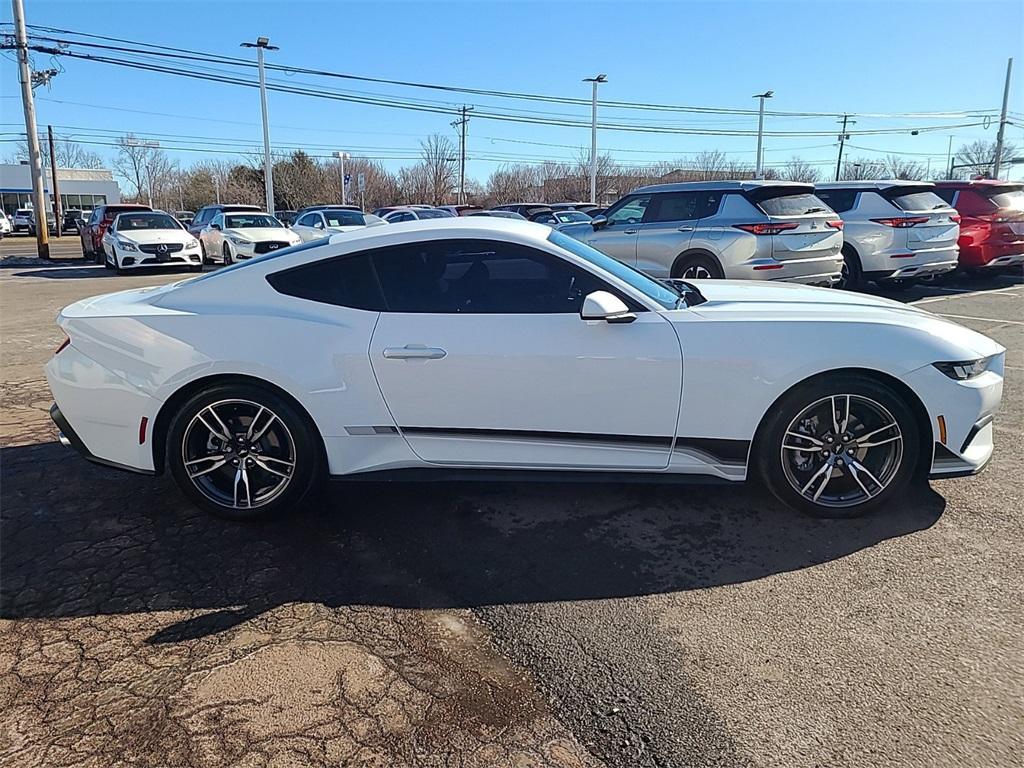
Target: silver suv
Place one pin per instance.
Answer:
(896, 232)
(760, 230)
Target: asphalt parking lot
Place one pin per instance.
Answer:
(498, 625)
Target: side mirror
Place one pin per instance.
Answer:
(599, 221)
(601, 305)
(215, 226)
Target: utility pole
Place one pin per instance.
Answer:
(462, 123)
(1002, 121)
(262, 44)
(843, 136)
(34, 157)
(594, 82)
(949, 158)
(56, 188)
(216, 188)
(341, 174)
(759, 171)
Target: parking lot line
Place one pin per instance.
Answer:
(981, 319)
(966, 294)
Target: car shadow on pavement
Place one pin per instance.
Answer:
(92, 271)
(81, 540)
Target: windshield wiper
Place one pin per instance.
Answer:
(815, 210)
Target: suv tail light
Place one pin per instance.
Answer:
(902, 221)
(837, 224)
(767, 229)
(955, 218)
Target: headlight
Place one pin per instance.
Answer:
(124, 245)
(241, 241)
(193, 243)
(962, 370)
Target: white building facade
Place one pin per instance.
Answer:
(80, 188)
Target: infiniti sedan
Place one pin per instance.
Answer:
(233, 236)
(480, 346)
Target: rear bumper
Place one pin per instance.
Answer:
(820, 270)
(992, 255)
(68, 437)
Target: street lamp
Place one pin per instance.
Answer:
(262, 44)
(760, 131)
(342, 157)
(594, 82)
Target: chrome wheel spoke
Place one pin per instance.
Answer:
(856, 476)
(263, 430)
(824, 469)
(814, 442)
(217, 464)
(878, 431)
(857, 466)
(877, 443)
(252, 424)
(242, 477)
(215, 431)
(261, 463)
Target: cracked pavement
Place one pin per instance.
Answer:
(494, 624)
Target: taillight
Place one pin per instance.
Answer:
(1007, 214)
(902, 221)
(955, 218)
(62, 345)
(767, 229)
(837, 224)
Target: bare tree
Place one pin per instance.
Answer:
(511, 183)
(859, 168)
(710, 165)
(897, 167)
(70, 154)
(130, 163)
(798, 169)
(438, 153)
(978, 158)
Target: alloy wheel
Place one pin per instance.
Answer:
(842, 450)
(238, 454)
(697, 272)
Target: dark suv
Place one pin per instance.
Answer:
(93, 230)
(205, 215)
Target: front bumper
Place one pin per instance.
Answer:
(135, 259)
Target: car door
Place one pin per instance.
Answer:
(306, 226)
(213, 236)
(668, 226)
(618, 236)
(483, 359)
(85, 233)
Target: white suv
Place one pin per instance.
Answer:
(895, 232)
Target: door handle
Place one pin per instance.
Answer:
(414, 352)
(630, 231)
(685, 229)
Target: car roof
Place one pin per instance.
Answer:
(464, 226)
(967, 183)
(721, 186)
(872, 184)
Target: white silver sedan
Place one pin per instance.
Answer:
(317, 225)
(149, 239)
(242, 235)
(487, 346)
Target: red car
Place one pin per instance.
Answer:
(991, 223)
(93, 230)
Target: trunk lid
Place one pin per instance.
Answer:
(807, 233)
(936, 226)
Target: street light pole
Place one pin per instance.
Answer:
(594, 82)
(35, 159)
(759, 173)
(262, 44)
(342, 156)
(1002, 121)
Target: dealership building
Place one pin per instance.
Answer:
(81, 188)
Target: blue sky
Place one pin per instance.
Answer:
(846, 55)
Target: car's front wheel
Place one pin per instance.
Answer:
(838, 446)
(241, 451)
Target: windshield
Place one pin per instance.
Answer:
(250, 220)
(568, 217)
(133, 221)
(1012, 199)
(659, 292)
(793, 205)
(916, 200)
(432, 214)
(345, 218)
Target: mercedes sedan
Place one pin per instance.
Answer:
(490, 347)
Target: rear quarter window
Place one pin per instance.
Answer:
(347, 281)
(839, 200)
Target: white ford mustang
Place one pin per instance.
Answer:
(490, 346)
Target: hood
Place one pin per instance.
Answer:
(263, 234)
(790, 302)
(151, 236)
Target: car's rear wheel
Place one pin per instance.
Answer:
(852, 276)
(697, 267)
(838, 446)
(242, 451)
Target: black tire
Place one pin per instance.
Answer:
(225, 252)
(107, 263)
(769, 457)
(853, 273)
(298, 440)
(202, 249)
(696, 266)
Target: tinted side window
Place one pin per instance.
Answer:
(306, 220)
(708, 203)
(839, 200)
(673, 206)
(480, 277)
(348, 281)
(202, 216)
(946, 194)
